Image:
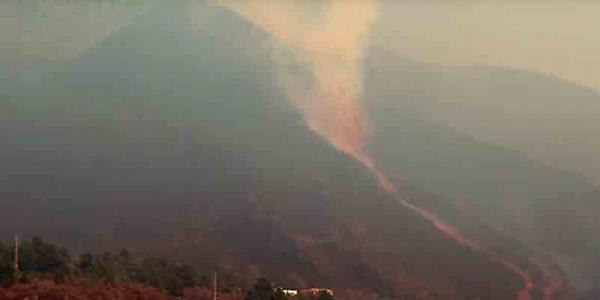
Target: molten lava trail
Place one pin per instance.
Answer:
(348, 134)
(455, 234)
(552, 281)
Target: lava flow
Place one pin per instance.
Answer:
(332, 44)
(552, 281)
(456, 235)
(350, 137)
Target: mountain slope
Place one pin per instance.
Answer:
(169, 137)
(550, 210)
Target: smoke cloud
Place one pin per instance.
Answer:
(330, 37)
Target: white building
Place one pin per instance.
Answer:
(290, 292)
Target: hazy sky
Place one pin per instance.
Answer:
(556, 37)
(40, 30)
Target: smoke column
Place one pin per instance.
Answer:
(329, 37)
(332, 43)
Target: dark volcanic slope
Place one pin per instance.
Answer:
(170, 137)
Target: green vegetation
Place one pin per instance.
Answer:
(6, 268)
(261, 290)
(41, 260)
(153, 271)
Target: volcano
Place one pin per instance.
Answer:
(172, 137)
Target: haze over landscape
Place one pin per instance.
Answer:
(409, 150)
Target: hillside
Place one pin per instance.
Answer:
(172, 137)
(544, 207)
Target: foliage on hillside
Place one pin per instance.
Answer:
(39, 260)
(48, 271)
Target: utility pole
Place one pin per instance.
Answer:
(215, 286)
(16, 257)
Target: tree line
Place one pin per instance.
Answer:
(40, 260)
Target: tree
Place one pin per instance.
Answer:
(38, 256)
(323, 295)
(261, 290)
(184, 276)
(7, 271)
(41, 259)
(153, 271)
(86, 264)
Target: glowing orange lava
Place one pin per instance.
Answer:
(333, 45)
(455, 234)
(552, 281)
(346, 130)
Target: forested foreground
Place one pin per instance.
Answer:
(46, 271)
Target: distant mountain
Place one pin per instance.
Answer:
(171, 136)
(551, 120)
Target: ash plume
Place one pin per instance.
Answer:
(330, 37)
